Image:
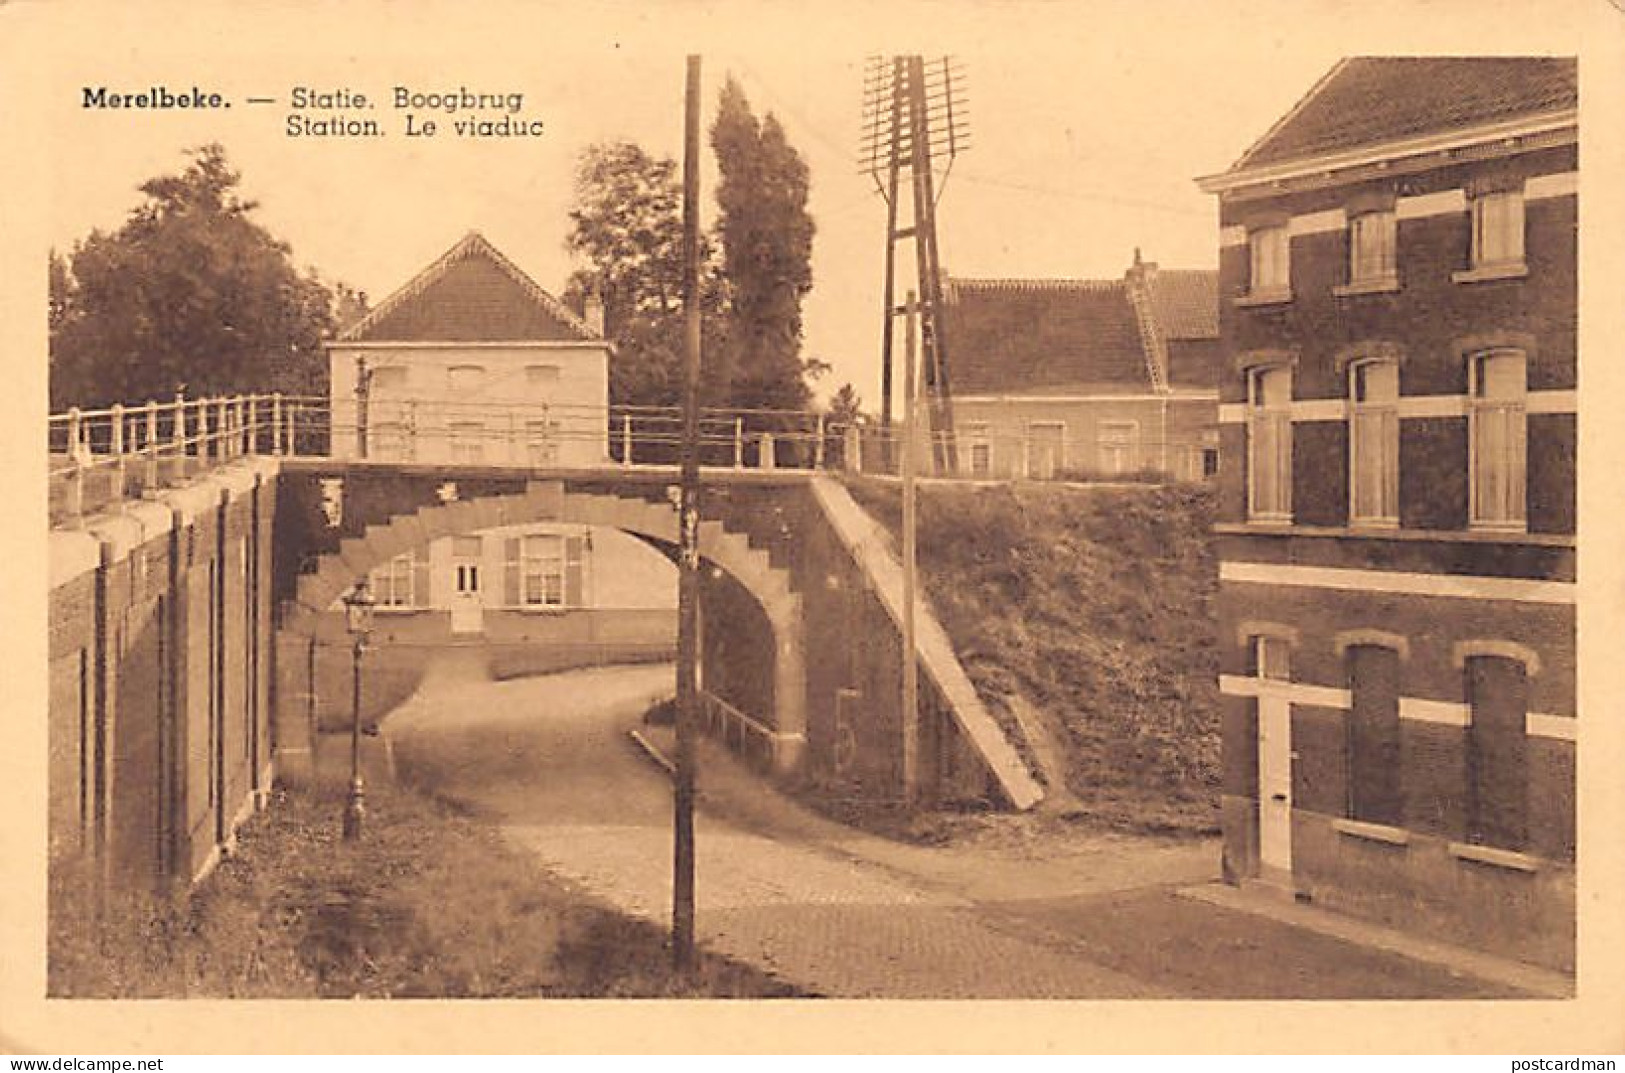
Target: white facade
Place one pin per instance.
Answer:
(540, 404)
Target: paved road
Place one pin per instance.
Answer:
(550, 759)
(1034, 911)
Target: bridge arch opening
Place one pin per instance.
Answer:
(753, 614)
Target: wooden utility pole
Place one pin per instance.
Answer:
(688, 513)
(911, 667)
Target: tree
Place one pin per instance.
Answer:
(627, 224)
(189, 294)
(766, 236)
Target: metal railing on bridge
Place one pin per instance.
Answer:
(99, 456)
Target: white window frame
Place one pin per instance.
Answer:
(467, 441)
(388, 379)
(538, 564)
(391, 582)
(474, 374)
(1269, 277)
(541, 441)
(1363, 414)
(1130, 443)
(974, 435)
(1498, 247)
(1379, 265)
(1280, 418)
(389, 440)
(1511, 513)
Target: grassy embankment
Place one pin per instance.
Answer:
(430, 903)
(1096, 605)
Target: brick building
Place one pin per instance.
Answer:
(1090, 377)
(1397, 516)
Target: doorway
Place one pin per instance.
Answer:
(467, 606)
(1271, 665)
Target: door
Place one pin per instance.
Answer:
(466, 602)
(1274, 762)
(1044, 442)
(1117, 446)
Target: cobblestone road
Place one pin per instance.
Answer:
(550, 757)
(1035, 911)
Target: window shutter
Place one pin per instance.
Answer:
(420, 576)
(510, 582)
(573, 572)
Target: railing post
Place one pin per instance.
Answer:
(152, 443)
(766, 458)
(220, 441)
(626, 439)
(115, 444)
(290, 415)
(818, 445)
(253, 424)
(177, 434)
(276, 424)
(76, 475)
(854, 450)
(739, 443)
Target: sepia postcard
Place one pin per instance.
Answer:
(740, 527)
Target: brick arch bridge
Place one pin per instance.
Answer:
(489, 505)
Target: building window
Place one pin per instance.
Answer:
(979, 451)
(1269, 443)
(1496, 428)
(392, 582)
(1117, 446)
(1375, 792)
(1497, 795)
(1271, 658)
(466, 552)
(388, 379)
(538, 375)
(389, 440)
(1374, 443)
(467, 441)
(541, 442)
(464, 378)
(1372, 248)
(542, 571)
(1498, 229)
(1271, 270)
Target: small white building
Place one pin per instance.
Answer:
(472, 362)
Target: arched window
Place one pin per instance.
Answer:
(1374, 442)
(1497, 762)
(1269, 443)
(1496, 417)
(1375, 786)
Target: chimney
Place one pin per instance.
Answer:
(1140, 271)
(592, 311)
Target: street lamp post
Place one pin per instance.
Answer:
(358, 604)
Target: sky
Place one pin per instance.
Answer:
(1089, 123)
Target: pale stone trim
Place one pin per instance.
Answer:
(1244, 685)
(1347, 639)
(1449, 713)
(1558, 727)
(1520, 126)
(1499, 858)
(1347, 579)
(1175, 394)
(1417, 207)
(1554, 401)
(72, 554)
(1372, 832)
(1462, 651)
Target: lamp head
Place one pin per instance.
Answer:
(358, 605)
